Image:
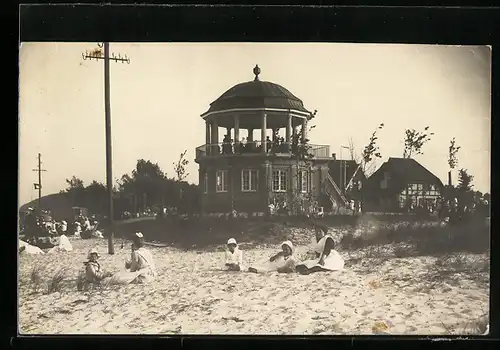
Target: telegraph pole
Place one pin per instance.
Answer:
(97, 54)
(38, 186)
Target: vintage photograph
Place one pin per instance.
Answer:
(254, 188)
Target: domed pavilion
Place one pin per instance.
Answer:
(263, 156)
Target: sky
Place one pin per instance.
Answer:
(157, 100)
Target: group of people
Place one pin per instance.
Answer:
(85, 227)
(140, 267)
(41, 230)
(318, 256)
(247, 145)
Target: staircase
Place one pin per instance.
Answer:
(333, 191)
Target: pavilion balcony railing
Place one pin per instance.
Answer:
(255, 147)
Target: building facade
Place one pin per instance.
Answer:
(244, 172)
(402, 185)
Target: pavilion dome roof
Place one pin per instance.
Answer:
(257, 94)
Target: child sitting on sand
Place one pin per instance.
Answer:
(329, 260)
(93, 272)
(282, 262)
(234, 256)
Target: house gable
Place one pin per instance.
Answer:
(399, 172)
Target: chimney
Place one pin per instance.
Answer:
(334, 156)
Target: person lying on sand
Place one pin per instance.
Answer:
(93, 271)
(234, 256)
(329, 260)
(141, 264)
(283, 262)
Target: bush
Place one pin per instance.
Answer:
(425, 238)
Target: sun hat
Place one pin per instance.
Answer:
(288, 244)
(93, 251)
(231, 241)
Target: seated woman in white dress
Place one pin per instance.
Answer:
(314, 249)
(329, 259)
(234, 256)
(141, 264)
(283, 262)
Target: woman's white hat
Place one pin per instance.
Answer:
(231, 241)
(93, 251)
(288, 244)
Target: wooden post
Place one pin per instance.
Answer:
(109, 162)
(97, 55)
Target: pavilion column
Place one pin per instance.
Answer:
(288, 131)
(207, 136)
(215, 137)
(263, 129)
(236, 133)
(304, 129)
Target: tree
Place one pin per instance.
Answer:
(370, 152)
(452, 158)
(146, 184)
(415, 140)
(180, 167)
(464, 181)
(464, 192)
(74, 184)
(295, 201)
(96, 197)
(75, 190)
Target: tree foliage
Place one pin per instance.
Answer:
(92, 196)
(146, 186)
(415, 141)
(452, 154)
(371, 150)
(464, 181)
(180, 167)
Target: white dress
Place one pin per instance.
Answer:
(142, 268)
(235, 257)
(332, 262)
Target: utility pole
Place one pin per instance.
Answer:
(38, 186)
(97, 54)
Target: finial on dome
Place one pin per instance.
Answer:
(256, 71)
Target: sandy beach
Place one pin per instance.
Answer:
(193, 296)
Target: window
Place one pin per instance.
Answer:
(418, 194)
(221, 184)
(303, 181)
(205, 183)
(249, 180)
(280, 180)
